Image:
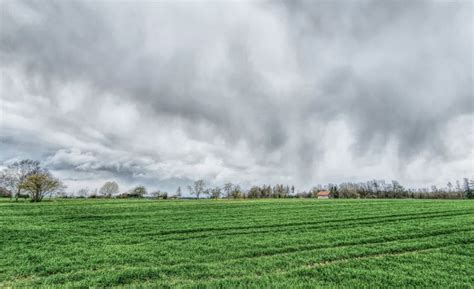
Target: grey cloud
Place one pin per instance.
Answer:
(252, 90)
(405, 67)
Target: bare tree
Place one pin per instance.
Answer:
(236, 192)
(450, 187)
(197, 188)
(458, 186)
(109, 189)
(228, 189)
(15, 174)
(215, 193)
(40, 184)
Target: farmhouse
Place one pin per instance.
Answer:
(323, 195)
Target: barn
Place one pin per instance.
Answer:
(323, 195)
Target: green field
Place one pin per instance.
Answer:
(261, 243)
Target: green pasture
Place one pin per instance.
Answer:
(283, 243)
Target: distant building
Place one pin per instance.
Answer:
(323, 195)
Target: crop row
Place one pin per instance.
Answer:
(296, 263)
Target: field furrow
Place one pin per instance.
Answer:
(262, 243)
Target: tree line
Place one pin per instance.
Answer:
(27, 179)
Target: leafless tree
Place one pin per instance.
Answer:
(197, 188)
(215, 193)
(228, 189)
(109, 189)
(236, 192)
(15, 174)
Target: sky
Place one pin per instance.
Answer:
(249, 92)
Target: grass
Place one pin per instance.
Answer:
(261, 243)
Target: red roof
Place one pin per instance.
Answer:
(323, 194)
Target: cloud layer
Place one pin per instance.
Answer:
(299, 92)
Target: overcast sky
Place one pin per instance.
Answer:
(253, 92)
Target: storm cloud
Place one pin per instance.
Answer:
(301, 92)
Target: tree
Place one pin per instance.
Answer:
(138, 192)
(458, 186)
(266, 191)
(398, 190)
(255, 192)
(109, 189)
(160, 195)
(178, 193)
(450, 187)
(468, 192)
(215, 193)
(40, 184)
(279, 191)
(15, 174)
(197, 188)
(227, 189)
(236, 192)
(334, 192)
